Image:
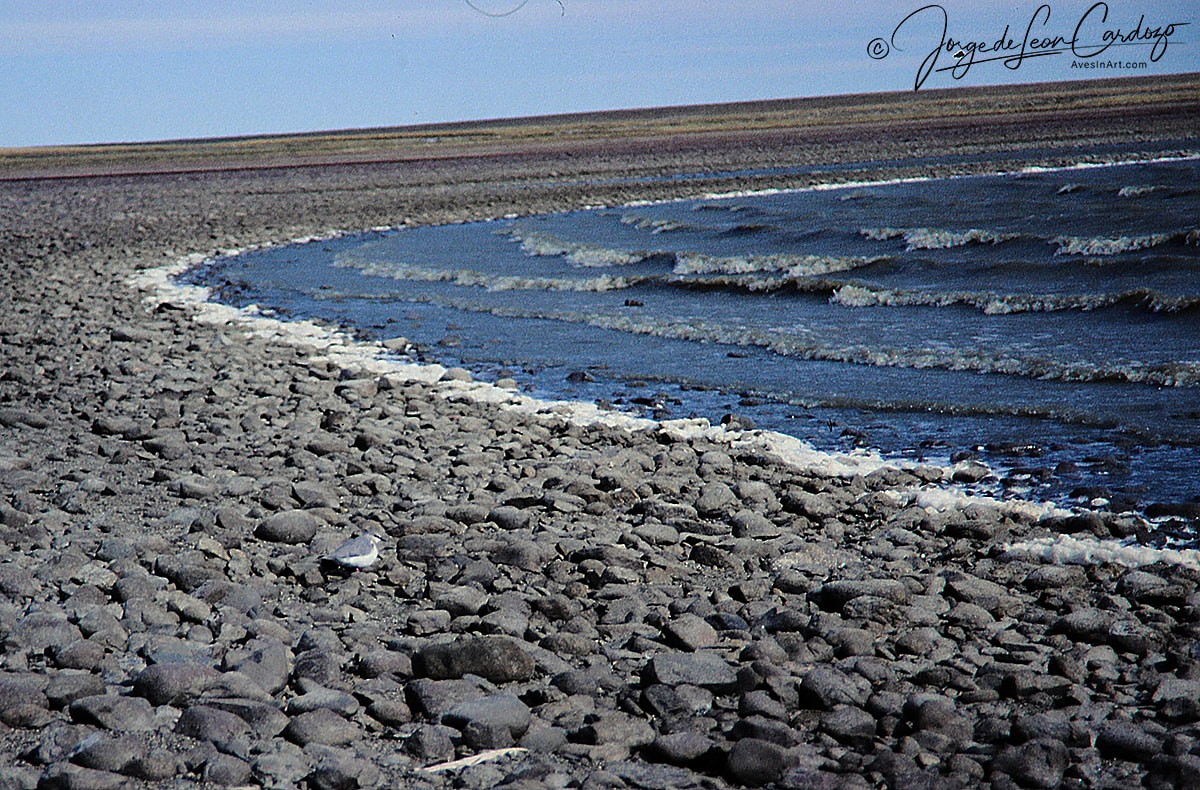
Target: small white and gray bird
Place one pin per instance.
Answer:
(358, 553)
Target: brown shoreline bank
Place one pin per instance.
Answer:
(633, 609)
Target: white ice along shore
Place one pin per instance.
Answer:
(159, 285)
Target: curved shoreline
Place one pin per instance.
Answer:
(632, 608)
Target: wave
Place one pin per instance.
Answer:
(689, 263)
(583, 254)
(655, 224)
(968, 360)
(790, 265)
(1095, 246)
(804, 346)
(748, 229)
(784, 273)
(492, 282)
(938, 238)
(1106, 246)
(858, 295)
(1138, 190)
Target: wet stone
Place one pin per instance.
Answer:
(1125, 740)
(81, 654)
(22, 689)
(66, 687)
(1085, 625)
(850, 725)
(109, 754)
(111, 712)
(225, 770)
(173, 684)
(206, 723)
(826, 688)
(616, 729)
(715, 499)
(1038, 764)
(43, 629)
(265, 719)
(289, 526)
(66, 776)
(431, 743)
(194, 487)
(26, 717)
(756, 763)
(510, 518)
(338, 769)
(498, 659)
(267, 665)
(707, 670)
(338, 701)
(502, 711)
(681, 748)
(690, 633)
(835, 595)
(321, 726)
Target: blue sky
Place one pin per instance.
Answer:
(118, 70)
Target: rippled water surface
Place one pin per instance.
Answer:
(1047, 321)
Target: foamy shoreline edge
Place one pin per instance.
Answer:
(322, 343)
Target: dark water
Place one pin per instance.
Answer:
(1047, 322)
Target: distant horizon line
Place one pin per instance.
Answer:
(519, 120)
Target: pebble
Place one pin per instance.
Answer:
(206, 723)
(706, 670)
(1125, 740)
(289, 526)
(499, 711)
(173, 684)
(755, 762)
(498, 659)
(113, 712)
(322, 726)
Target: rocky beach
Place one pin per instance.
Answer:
(559, 601)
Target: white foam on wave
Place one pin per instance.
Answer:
(580, 253)
(492, 282)
(1096, 245)
(1138, 190)
(856, 295)
(1070, 550)
(938, 238)
(802, 343)
(654, 224)
(788, 264)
